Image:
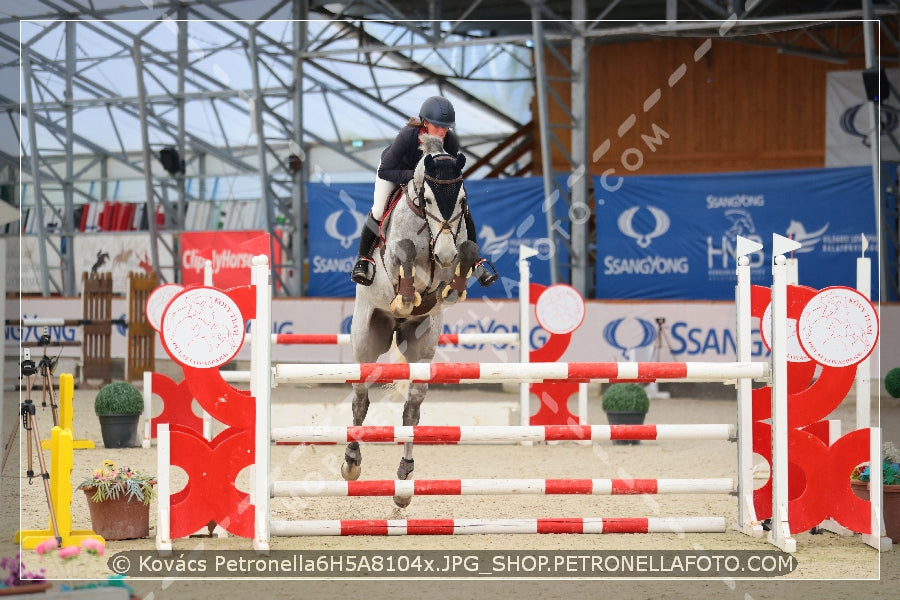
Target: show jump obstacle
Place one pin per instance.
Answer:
(559, 309)
(202, 328)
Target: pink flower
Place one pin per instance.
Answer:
(48, 545)
(93, 546)
(69, 552)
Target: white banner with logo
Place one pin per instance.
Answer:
(116, 253)
(610, 332)
(848, 120)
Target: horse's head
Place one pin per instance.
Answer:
(442, 195)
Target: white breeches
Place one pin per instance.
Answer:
(383, 190)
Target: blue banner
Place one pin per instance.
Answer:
(507, 212)
(673, 237)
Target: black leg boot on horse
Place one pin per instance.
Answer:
(364, 270)
(484, 270)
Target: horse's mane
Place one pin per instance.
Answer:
(429, 144)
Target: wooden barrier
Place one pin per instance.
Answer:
(96, 354)
(141, 335)
(97, 324)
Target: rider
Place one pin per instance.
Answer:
(398, 161)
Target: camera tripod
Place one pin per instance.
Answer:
(662, 339)
(32, 436)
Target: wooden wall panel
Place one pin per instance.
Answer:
(739, 107)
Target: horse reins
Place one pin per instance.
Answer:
(418, 207)
(445, 224)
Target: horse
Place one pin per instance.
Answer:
(423, 266)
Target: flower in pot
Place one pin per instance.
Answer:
(625, 404)
(890, 480)
(119, 405)
(119, 501)
(18, 579)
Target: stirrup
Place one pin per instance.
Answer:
(363, 271)
(485, 272)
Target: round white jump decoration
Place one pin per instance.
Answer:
(157, 301)
(560, 309)
(795, 351)
(202, 327)
(838, 327)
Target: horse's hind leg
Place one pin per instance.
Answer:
(352, 466)
(410, 417)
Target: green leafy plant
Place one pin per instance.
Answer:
(118, 398)
(111, 482)
(890, 466)
(625, 397)
(892, 382)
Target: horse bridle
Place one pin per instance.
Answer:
(444, 224)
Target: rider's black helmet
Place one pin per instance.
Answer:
(437, 110)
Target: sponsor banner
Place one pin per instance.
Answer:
(847, 120)
(674, 237)
(230, 258)
(119, 254)
(508, 214)
(611, 331)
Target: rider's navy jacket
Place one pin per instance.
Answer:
(399, 160)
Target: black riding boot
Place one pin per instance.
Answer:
(484, 270)
(364, 270)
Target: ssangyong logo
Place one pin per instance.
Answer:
(331, 227)
(856, 124)
(646, 335)
(649, 263)
(660, 225)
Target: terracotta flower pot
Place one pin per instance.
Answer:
(26, 588)
(119, 519)
(891, 506)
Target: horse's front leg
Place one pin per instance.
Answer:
(468, 255)
(411, 411)
(407, 297)
(352, 466)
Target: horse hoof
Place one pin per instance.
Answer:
(402, 501)
(406, 467)
(351, 471)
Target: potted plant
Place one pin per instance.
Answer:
(890, 486)
(892, 382)
(625, 404)
(119, 405)
(119, 501)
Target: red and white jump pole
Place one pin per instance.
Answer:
(517, 372)
(425, 434)
(500, 526)
(479, 487)
(343, 339)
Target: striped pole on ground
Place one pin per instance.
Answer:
(500, 526)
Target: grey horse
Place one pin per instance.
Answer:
(423, 265)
